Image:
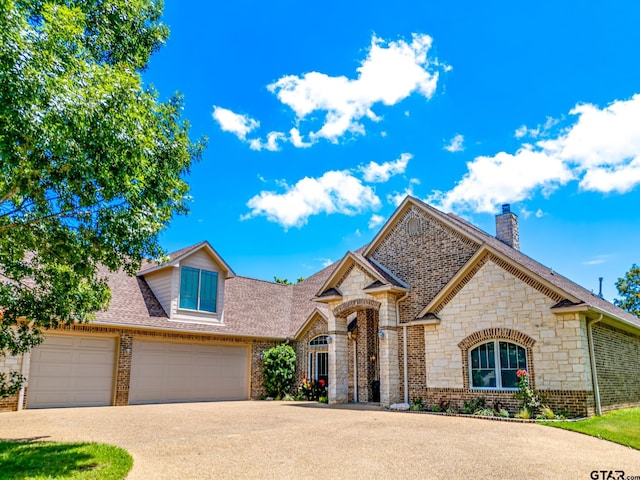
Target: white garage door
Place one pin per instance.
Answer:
(176, 372)
(71, 371)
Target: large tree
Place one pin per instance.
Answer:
(92, 163)
(629, 291)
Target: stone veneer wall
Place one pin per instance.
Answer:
(617, 355)
(494, 300)
(425, 260)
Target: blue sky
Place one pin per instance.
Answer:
(320, 117)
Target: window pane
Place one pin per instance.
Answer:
(512, 358)
(504, 355)
(323, 366)
(483, 378)
(491, 355)
(319, 341)
(509, 378)
(208, 291)
(189, 288)
(475, 358)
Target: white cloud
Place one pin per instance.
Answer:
(270, 144)
(326, 262)
(333, 192)
(375, 172)
(376, 220)
(239, 125)
(600, 150)
(391, 72)
(539, 213)
(597, 260)
(456, 144)
(540, 130)
(296, 139)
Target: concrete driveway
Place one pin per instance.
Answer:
(298, 440)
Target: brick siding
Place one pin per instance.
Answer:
(617, 355)
(426, 260)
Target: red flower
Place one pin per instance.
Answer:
(321, 381)
(521, 373)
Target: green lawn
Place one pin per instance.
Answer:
(621, 426)
(54, 460)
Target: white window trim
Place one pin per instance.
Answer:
(498, 365)
(200, 270)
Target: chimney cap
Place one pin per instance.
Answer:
(506, 208)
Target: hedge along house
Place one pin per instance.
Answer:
(433, 307)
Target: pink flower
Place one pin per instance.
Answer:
(521, 373)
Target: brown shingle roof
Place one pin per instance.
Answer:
(548, 274)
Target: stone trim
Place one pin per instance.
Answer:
(516, 272)
(347, 308)
(489, 334)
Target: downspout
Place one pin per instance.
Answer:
(592, 358)
(23, 372)
(405, 362)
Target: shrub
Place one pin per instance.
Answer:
(279, 370)
(471, 406)
(418, 404)
(485, 412)
(529, 398)
(312, 390)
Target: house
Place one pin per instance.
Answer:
(433, 307)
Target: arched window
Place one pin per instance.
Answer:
(319, 341)
(494, 364)
(318, 359)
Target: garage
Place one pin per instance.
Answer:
(72, 371)
(180, 372)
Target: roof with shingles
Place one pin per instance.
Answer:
(264, 309)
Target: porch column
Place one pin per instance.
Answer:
(388, 352)
(338, 360)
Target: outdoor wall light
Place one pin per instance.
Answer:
(329, 339)
(127, 349)
(381, 334)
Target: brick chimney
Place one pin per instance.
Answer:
(507, 227)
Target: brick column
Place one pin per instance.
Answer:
(123, 372)
(338, 361)
(389, 368)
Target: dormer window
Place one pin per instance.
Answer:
(198, 289)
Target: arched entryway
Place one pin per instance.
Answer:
(363, 348)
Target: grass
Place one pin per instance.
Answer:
(620, 426)
(21, 460)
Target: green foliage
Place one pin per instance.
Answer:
(91, 162)
(629, 291)
(620, 426)
(285, 281)
(73, 461)
(312, 389)
(279, 370)
(530, 399)
(418, 404)
(471, 406)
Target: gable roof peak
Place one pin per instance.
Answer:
(175, 257)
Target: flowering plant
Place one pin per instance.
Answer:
(312, 389)
(530, 399)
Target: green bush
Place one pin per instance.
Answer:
(279, 370)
